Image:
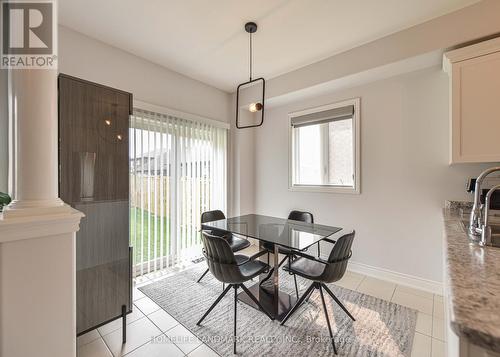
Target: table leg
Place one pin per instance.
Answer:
(276, 284)
(277, 303)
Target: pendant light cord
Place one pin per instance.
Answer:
(250, 56)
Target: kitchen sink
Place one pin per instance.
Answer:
(495, 233)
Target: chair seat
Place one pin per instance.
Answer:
(237, 243)
(307, 268)
(251, 268)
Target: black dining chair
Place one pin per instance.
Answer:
(321, 272)
(288, 253)
(236, 243)
(231, 269)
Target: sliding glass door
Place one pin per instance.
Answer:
(177, 171)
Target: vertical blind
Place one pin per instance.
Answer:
(178, 170)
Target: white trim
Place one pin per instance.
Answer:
(356, 102)
(39, 226)
(431, 286)
(324, 189)
(179, 114)
(469, 52)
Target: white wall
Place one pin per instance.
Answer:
(470, 23)
(405, 177)
(84, 57)
(241, 171)
(37, 296)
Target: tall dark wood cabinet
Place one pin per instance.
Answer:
(94, 179)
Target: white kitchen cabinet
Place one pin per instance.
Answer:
(474, 102)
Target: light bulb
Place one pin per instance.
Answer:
(255, 107)
(108, 122)
(119, 137)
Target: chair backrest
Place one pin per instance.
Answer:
(210, 216)
(338, 258)
(296, 216)
(215, 215)
(220, 259)
(217, 249)
(301, 216)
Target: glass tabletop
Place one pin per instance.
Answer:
(284, 232)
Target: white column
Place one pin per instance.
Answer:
(37, 230)
(33, 143)
(38, 286)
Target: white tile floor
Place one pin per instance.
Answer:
(152, 332)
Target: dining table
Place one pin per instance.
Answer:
(278, 232)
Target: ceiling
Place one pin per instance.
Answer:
(205, 40)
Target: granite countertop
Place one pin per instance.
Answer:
(472, 284)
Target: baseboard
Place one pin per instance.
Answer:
(395, 277)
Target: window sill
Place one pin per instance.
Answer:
(325, 189)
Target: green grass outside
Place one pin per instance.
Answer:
(146, 225)
(144, 221)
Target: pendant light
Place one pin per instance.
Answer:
(256, 108)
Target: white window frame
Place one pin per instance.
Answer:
(356, 189)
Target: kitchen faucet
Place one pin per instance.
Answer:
(476, 226)
(486, 229)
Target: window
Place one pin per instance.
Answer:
(324, 148)
(177, 171)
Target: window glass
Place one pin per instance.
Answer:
(324, 149)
